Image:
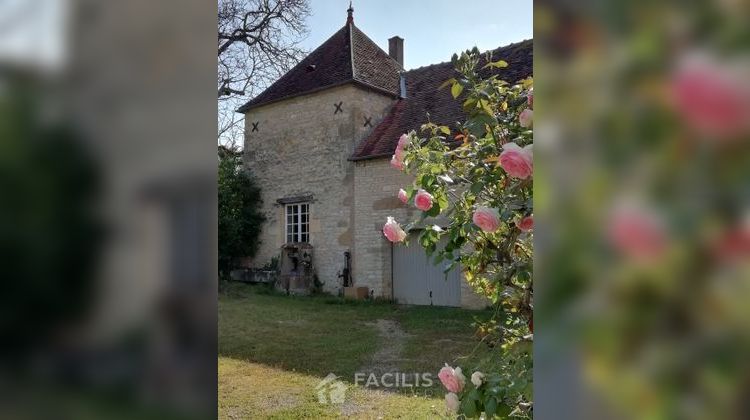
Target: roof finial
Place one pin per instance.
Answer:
(350, 12)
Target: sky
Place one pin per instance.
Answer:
(32, 32)
(432, 29)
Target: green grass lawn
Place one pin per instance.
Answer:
(274, 349)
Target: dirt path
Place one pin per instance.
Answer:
(391, 345)
(385, 359)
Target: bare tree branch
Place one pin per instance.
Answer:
(257, 42)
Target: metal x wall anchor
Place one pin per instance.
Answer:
(368, 122)
(338, 108)
(255, 126)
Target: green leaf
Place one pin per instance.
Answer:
(476, 187)
(496, 64)
(447, 82)
(448, 267)
(456, 89)
(434, 211)
(469, 407)
(486, 107)
(490, 406)
(445, 130)
(503, 411)
(442, 200)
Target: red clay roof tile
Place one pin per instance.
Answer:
(424, 98)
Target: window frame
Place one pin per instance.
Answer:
(297, 222)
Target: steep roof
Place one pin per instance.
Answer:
(348, 56)
(423, 97)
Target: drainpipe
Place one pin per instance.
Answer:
(393, 292)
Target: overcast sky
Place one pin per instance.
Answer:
(432, 29)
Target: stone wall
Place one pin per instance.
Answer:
(376, 186)
(301, 147)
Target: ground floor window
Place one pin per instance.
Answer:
(298, 222)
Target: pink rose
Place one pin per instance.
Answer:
(402, 196)
(711, 98)
(453, 380)
(734, 245)
(526, 117)
(486, 218)
(392, 230)
(452, 402)
(423, 200)
(530, 98)
(637, 233)
(517, 162)
(399, 154)
(403, 141)
(397, 163)
(526, 224)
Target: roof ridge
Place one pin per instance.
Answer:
(351, 49)
(428, 66)
(513, 44)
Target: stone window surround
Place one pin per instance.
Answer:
(296, 199)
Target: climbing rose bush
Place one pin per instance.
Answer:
(393, 231)
(397, 163)
(452, 379)
(478, 180)
(516, 161)
(712, 98)
(486, 219)
(452, 402)
(526, 224)
(477, 378)
(423, 200)
(402, 196)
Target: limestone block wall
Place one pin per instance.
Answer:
(301, 147)
(376, 186)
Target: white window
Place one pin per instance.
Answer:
(297, 223)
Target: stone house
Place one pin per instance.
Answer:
(319, 140)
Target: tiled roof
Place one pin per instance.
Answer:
(423, 97)
(347, 56)
(373, 66)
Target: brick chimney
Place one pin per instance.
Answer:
(396, 49)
